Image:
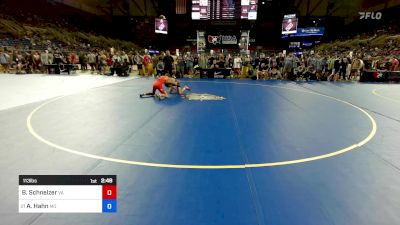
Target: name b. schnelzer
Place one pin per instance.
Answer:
(37, 192)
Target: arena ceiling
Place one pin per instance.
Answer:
(342, 8)
(153, 7)
(119, 7)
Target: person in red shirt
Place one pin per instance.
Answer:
(146, 62)
(158, 85)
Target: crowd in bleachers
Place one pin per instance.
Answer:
(323, 65)
(34, 61)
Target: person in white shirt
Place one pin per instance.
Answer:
(237, 63)
(116, 64)
(92, 61)
(124, 56)
(138, 60)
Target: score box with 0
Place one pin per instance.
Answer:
(67, 193)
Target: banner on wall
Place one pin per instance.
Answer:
(310, 31)
(307, 31)
(222, 40)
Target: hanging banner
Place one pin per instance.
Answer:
(201, 41)
(289, 24)
(161, 26)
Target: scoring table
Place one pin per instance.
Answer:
(67, 193)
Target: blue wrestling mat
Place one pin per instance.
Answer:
(229, 152)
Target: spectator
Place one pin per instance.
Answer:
(229, 61)
(20, 63)
(300, 71)
(175, 61)
(262, 68)
(237, 61)
(160, 67)
(4, 57)
(11, 62)
(83, 60)
(214, 64)
(367, 63)
(288, 67)
(330, 68)
(168, 63)
(102, 63)
(275, 73)
(337, 66)
(210, 59)
(124, 56)
(395, 64)
(202, 61)
(180, 69)
(196, 61)
(58, 57)
(92, 61)
(46, 58)
(29, 62)
(343, 68)
(36, 62)
(125, 68)
(348, 68)
(221, 61)
(138, 60)
(146, 62)
(189, 63)
(246, 65)
(272, 62)
(356, 66)
(73, 58)
(116, 65)
(150, 66)
(324, 73)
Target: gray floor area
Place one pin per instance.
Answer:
(16, 90)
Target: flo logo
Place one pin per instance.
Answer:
(370, 15)
(214, 39)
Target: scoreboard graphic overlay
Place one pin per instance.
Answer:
(67, 194)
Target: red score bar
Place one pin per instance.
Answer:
(109, 191)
